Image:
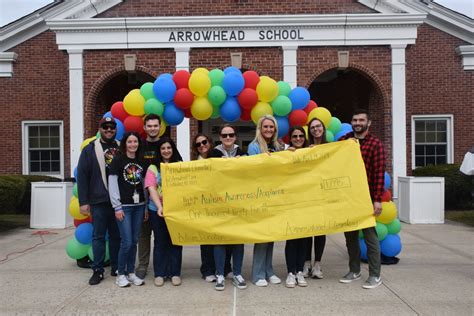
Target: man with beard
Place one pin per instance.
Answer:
(150, 153)
(374, 160)
(92, 175)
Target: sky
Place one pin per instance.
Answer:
(11, 10)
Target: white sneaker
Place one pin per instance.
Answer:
(132, 277)
(274, 279)
(261, 282)
(122, 281)
(316, 273)
(210, 278)
(300, 279)
(306, 268)
(290, 280)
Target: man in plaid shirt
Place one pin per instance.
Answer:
(374, 160)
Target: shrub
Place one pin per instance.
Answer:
(457, 186)
(15, 192)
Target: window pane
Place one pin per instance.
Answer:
(419, 150)
(419, 161)
(420, 137)
(45, 166)
(55, 166)
(431, 126)
(441, 126)
(430, 150)
(33, 131)
(419, 126)
(54, 141)
(44, 142)
(441, 137)
(45, 155)
(430, 137)
(54, 131)
(34, 155)
(54, 154)
(44, 131)
(34, 142)
(430, 160)
(441, 160)
(441, 150)
(34, 166)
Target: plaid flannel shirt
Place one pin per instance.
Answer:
(373, 155)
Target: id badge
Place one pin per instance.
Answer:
(136, 197)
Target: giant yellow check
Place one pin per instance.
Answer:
(288, 195)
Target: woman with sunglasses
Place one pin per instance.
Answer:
(128, 200)
(295, 249)
(228, 149)
(266, 141)
(317, 136)
(202, 146)
(167, 258)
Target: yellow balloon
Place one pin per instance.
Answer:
(134, 103)
(199, 84)
(87, 141)
(267, 89)
(306, 131)
(162, 127)
(200, 70)
(322, 114)
(74, 209)
(201, 108)
(259, 110)
(389, 213)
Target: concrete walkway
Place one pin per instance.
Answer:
(434, 277)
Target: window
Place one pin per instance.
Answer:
(43, 148)
(432, 140)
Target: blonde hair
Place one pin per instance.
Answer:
(260, 140)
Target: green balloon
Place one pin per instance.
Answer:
(97, 135)
(334, 125)
(281, 105)
(394, 227)
(329, 136)
(154, 106)
(382, 231)
(76, 250)
(146, 90)
(90, 252)
(361, 234)
(283, 88)
(74, 190)
(215, 112)
(216, 95)
(216, 76)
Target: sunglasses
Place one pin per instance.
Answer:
(297, 136)
(229, 135)
(203, 143)
(107, 127)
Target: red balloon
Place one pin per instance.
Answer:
(245, 115)
(187, 113)
(251, 79)
(310, 106)
(247, 98)
(118, 111)
(78, 222)
(298, 117)
(133, 124)
(286, 139)
(387, 196)
(183, 98)
(181, 79)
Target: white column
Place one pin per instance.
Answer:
(289, 65)
(76, 105)
(183, 130)
(399, 140)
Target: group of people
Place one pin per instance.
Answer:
(119, 185)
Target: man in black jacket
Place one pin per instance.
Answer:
(92, 175)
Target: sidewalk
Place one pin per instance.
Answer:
(434, 277)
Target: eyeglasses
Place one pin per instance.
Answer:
(107, 127)
(315, 127)
(297, 136)
(229, 135)
(203, 143)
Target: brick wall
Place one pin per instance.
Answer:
(437, 84)
(38, 90)
(137, 8)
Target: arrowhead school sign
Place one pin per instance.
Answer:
(235, 35)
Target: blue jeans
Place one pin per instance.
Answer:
(167, 258)
(129, 229)
(220, 252)
(262, 267)
(103, 220)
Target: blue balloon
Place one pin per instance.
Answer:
(108, 114)
(346, 127)
(75, 172)
(387, 181)
(164, 89)
(340, 134)
(83, 233)
(172, 114)
(299, 97)
(165, 76)
(233, 83)
(363, 249)
(230, 110)
(120, 130)
(391, 245)
(232, 69)
(283, 125)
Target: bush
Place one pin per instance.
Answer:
(457, 186)
(15, 192)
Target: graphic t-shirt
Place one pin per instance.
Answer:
(150, 152)
(153, 178)
(110, 150)
(130, 173)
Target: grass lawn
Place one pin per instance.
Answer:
(465, 217)
(11, 221)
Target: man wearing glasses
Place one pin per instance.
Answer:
(92, 175)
